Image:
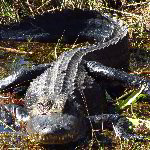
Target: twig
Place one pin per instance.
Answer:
(13, 50)
(141, 3)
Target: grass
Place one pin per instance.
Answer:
(136, 17)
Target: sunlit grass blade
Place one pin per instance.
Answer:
(137, 122)
(132, 98)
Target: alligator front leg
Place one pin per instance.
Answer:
(120, 125)
(99, 70)
(23, 77)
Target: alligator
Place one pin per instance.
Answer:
(73, 25)
(64, 98)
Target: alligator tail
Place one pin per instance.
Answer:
(120, 125)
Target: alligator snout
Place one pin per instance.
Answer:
(55, 128)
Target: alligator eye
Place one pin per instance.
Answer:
(44, 114)
(40, 106)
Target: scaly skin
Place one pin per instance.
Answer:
(54, 100)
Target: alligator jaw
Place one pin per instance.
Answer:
(55, 129)
(53, 138)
